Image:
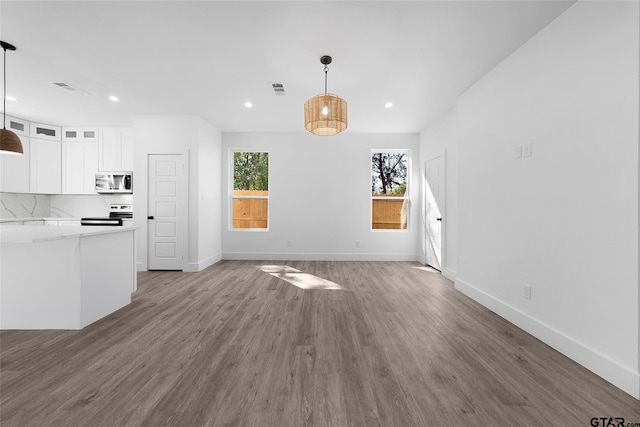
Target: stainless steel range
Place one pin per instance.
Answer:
(118, 214)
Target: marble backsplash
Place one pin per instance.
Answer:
(17, 205)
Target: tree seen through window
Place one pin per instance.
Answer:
(250, 190)
(389, 179)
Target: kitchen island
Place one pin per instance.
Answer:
(62, 277)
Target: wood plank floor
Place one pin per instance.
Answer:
(234, 346)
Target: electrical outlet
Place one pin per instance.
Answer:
(526, 150)
(518, 152)
(526, 291)
(289, 243)
(357, 243)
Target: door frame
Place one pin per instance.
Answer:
(443, 208)
(184, 224)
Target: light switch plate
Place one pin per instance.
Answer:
(526, 150)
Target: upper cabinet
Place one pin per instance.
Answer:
(80, 134)
(45, 159)
(45, 132)
(18, 126)
(116, 149)
(79, 167)
(63, 160)
(45, 166)
(14, 168)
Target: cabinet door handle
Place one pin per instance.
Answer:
(150, 217)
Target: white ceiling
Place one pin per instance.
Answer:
(208, 57)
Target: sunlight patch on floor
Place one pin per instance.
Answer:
(298, 278)
(427, 268)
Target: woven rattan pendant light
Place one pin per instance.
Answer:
(9, 141)
(325, 114)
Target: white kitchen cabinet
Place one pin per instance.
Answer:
(116, 149)
(48, 132)
(14, 169)
(75, 134)
(18, 126)
(45, 166)
(64, 277)
(90, 166)
(79, 166)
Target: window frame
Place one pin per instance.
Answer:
(405, 197)
(233, 197)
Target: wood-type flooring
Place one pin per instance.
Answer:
(235, 346)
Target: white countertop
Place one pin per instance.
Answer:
(3, 220)
(23, 234)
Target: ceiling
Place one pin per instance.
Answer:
(208, 58)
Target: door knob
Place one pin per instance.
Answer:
(150, 217)
(438, 219)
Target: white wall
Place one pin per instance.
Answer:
(564, 220)
(442, 139)
(209, 195)
(320, 198)
(199, 142)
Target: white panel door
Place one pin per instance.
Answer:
(167, 213)
(434, 205)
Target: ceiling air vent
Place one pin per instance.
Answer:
(70, 88)
(278, 89)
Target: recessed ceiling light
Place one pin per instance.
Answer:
(114, 98)
(388, 105)
(248, 104)
(10, 98)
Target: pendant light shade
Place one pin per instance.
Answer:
(325, 114)
(9, 141)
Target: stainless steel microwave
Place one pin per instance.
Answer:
(114, 182)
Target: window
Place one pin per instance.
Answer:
(250, 195)
(389, 195)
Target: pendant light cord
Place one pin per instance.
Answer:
(4, 90)
(326, 71)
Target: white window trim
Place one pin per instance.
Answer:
(404, 197)
(232, 197)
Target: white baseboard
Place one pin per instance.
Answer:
(295, 256)
(601, 365)
(449, 274)
(194, 267)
